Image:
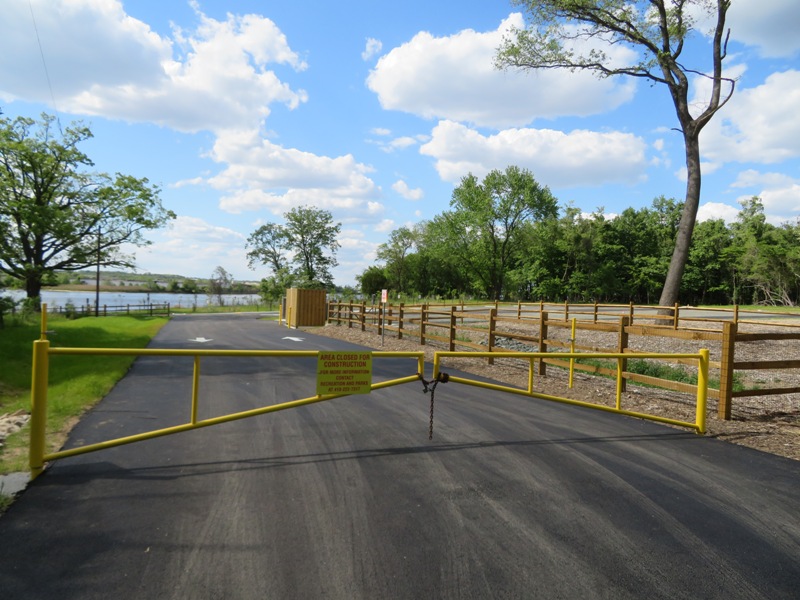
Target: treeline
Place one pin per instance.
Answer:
(566, 255)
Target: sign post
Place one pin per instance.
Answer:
(384, 298)
(344, 372)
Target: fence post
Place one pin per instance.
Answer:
(622, 345)
(519, 309)
(595, 311)
(492, 327)
(542, 342)
(363, 316)
(566, 310)
(452, 343)
(675, 316)
(381, 317)
(422, 317)
(726, 370)
(400, 322)
(630, 312)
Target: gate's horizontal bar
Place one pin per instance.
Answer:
(213, 421)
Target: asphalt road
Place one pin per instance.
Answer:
(513, 498)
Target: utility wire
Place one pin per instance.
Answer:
(44, 63)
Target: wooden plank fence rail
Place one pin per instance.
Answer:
(455, 325)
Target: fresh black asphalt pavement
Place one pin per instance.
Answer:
(513, 498)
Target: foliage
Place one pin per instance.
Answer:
(219, 284)
(7, 305)
(482, 233)
(309, 235)
(395, 253)
(579, 35)
(373, 280)
(56, 215)
(273, 288)
(586, 258)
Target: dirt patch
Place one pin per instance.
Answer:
(11, 423)
(767, 423)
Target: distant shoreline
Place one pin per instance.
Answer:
(90, 287)
(132, 289)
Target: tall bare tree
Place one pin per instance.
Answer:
(658, 31)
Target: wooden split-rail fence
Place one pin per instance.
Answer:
(457, 325)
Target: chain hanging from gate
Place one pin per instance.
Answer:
(430, 386)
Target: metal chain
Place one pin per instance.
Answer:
(430, 427)
(430, 386)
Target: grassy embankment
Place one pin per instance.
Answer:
(76, 382)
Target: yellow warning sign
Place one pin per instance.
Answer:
(344, 372)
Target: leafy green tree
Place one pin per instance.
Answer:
(274, 287)
(709, 274)
(219, 284)
(267, 246)
(7, 305)
(395, 254)
(657, 31)
(481, 232)
(310, 235)
(189, 286)
(372, 280)
(765, 257)
(57, 216)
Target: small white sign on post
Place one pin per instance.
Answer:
(384, 298)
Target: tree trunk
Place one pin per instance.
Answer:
(683, 240)
(33, 289)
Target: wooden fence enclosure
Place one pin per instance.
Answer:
(457, 326)
(305, 308)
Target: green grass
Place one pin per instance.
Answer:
(76, 382)
(5, 501)
(660, 370)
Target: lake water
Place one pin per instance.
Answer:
(59, 299)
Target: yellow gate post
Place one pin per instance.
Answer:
(702, 391)
(39, 381)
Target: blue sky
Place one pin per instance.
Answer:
(375, 110)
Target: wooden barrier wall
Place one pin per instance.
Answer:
(305, 308)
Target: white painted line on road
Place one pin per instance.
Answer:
(294, 339)
(202, 340)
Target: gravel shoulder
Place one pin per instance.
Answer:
(766, 423)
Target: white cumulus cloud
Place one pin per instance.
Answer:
(260, 175)
(454, 78)
(372, 48)
(213, 77)
(555, 158)
(401, 187)
(771, 25)
(759, 124)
